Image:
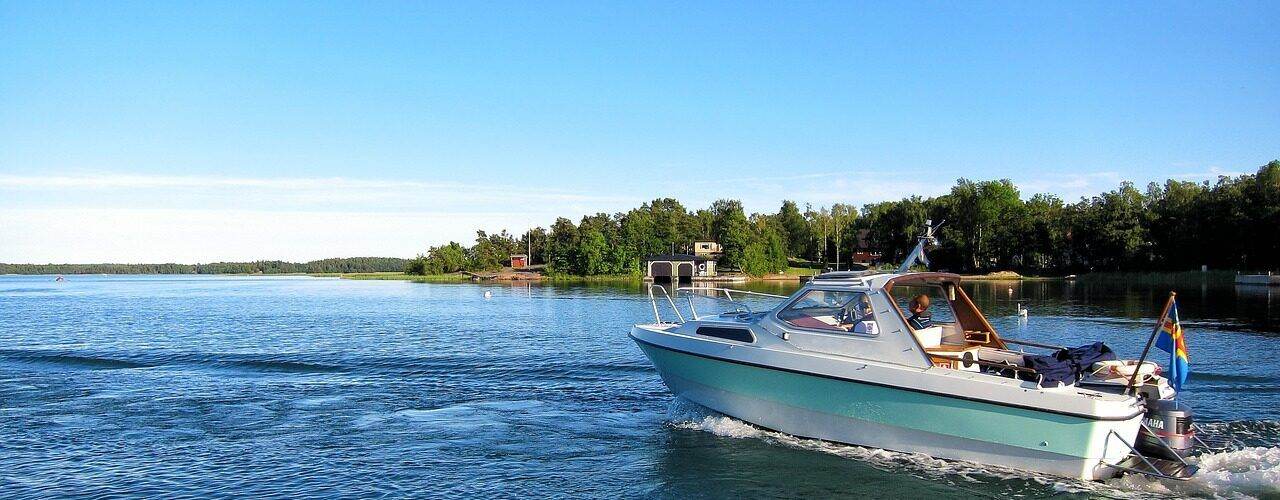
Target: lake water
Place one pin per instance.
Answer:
(174, 386)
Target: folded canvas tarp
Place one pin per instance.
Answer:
(1068, 365)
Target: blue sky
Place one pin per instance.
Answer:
(136, 132)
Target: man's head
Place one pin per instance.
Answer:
(920, 304)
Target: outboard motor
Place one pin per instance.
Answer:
(1169, 422)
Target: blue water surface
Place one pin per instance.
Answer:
(171, 386)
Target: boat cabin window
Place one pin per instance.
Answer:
(939, 311)
(832, 311)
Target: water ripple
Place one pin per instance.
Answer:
(200, 387)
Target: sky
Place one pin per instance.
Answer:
(228, 131)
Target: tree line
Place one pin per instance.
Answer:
(1230, 223)
(341, 265)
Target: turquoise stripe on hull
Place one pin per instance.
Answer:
(1036, 432)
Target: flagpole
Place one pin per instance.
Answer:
(1174, 355)
(1159, 322)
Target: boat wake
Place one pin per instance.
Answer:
(1250, 472)
(1246, 473)
(251, 363)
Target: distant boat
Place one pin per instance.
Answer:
(60, 278)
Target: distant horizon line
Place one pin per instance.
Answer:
(210, 263)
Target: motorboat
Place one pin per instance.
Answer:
(847, 359)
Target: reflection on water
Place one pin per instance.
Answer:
(240, 386)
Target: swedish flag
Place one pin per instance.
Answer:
(1172, 340)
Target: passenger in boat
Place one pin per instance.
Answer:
(859, 317)
(920, 317)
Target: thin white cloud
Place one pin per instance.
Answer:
(864, 188)
(1211, 174)
(1073, 186)
(64, 235)
(768, 179)
(336, 185)
(145, 218)
(292, 193)
(131, 181)
(106, 217)
(1069, 186)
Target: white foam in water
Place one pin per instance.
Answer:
(1245, 473)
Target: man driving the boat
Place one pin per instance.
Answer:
(920, 317)
(857, 317)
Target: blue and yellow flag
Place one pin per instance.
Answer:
(1171, 340)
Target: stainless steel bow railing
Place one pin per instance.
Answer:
(739, 306)
(654, 302)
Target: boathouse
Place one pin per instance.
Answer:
(863, 252)
(679, 267)
(707, 249)
(519, 261)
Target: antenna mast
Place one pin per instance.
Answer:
(917, 254)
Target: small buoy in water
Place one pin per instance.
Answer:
(1010, 291)
(488, 294)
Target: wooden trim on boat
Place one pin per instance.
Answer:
(952, 277)
(995, 337)
(970, 314)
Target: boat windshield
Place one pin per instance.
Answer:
(939, 310)
(832, 310)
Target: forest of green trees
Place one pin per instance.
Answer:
(1231, 223)
(346, 265)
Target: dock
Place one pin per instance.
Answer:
(732, 278)
(1268, 279)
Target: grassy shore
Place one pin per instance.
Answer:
(603, 278)
(462, 278)
(399, 276)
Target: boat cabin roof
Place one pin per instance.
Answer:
(885, 281)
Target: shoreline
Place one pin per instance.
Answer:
(475, 278)
(510, 277)
(790, 277)
(987, 277)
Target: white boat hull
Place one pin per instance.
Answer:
(868, 414)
